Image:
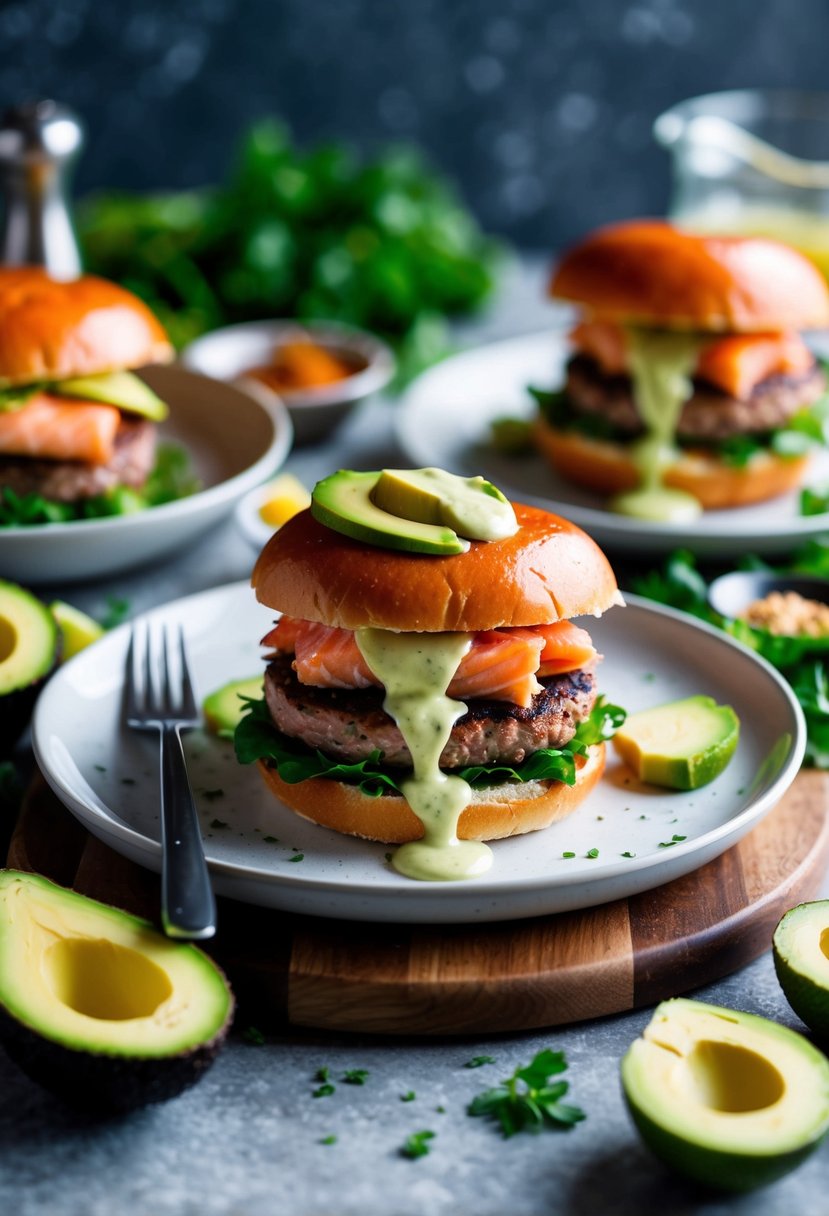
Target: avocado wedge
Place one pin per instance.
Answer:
(223, 708)
(78, 629)
(30, 646)
(123, 389)
(97, 1005)
(727, 1098)
(801, 960)
(682, 745)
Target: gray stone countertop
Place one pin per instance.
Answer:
(247, 1140)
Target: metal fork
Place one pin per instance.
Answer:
(159, 697)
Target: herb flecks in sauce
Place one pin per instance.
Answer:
(416, 669)
(660, 364)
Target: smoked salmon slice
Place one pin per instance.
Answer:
(501, 664)
(735, 363)
(52, 428)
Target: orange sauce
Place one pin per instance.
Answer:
(302, 364)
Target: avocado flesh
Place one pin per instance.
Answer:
(682, 745)
(801, 960)
(343, 503)
(77, 629)
(223, 708)
(727, 1098)
(471, 506)
(96, 1004)
(29, 651)
(115, 388)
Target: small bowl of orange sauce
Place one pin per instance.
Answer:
(320, 370)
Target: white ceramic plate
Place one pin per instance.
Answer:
(445, 419)
(107, 777)
(234, 442)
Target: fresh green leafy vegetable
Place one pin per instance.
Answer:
(528, 1101)
(170, 480)
(256, 738)
(384, 244)
(417, 1144)
(800, 660)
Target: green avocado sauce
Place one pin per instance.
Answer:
(660, 366)
(416, 670)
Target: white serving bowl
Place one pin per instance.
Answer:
(234, 442)
(231, 352)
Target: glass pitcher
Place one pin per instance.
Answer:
(752, 161)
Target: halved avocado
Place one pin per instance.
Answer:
(223, 708)
(116, 388)
(801, 960)
(97, 1005)
(681, 745)
(343, 502)
(727, 1098)
(30, 644)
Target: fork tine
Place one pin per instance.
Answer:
(188, 696)
(169, 701)
(133, 704)
(150, 687)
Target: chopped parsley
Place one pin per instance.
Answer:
(212, 795)
(666, 844)
(253, 1036)
(355, 1076)
(218, 823)
(324, 1091)
(297, 857)
(322, 1074)
(479, 1061)
(592, 854)
(328, 1140)
(417, 1144)
(529, 1100)
(568, 854)
(117, 611)
(100, 768)
(128, 781)
(271, 839)
(409, 1097)
(628, 854)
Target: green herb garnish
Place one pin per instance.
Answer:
(328, 1140)
(355, 1076)
(527, 1101)
(568, 854)
(408, 1097)
(116, 613)
(253, 1036)
(324, 1091)
(479, 1061)
(417, 1144)
(592, 854)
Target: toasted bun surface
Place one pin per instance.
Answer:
(606, 468)
(548, 571)
(649, 272)
(52, 330)
(505, 810)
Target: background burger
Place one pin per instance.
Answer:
(713, 320)
(75, 425)
(530, 739)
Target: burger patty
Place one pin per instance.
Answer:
(350, 725)
(71, 480)
(710, 414)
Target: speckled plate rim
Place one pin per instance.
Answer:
(444, 419)
(381, 893)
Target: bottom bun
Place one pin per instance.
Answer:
(606, 467)
(502, 810)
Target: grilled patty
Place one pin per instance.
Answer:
(710, 414)
(71, 480)
(350, 725)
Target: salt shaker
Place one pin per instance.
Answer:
(39, 142)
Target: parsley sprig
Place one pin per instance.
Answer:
(528, 1101)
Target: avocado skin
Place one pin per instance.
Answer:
(93, 1081)
(719, 1170)
(808, 997)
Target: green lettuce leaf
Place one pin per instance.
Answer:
(257, 738)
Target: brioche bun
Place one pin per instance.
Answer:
(651, 273)
(548, 571)
(503, 810)
(607, 468)
(51, 330)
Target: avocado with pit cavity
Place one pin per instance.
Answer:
(801, 960)
(681, 745)
(123, 389)
(30, 646)
(97, 1005)
(727, 1098)
(343, 502)
(223, 708)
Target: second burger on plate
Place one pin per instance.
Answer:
(690, 386)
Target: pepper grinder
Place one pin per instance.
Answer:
(39, 142)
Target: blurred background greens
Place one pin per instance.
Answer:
(383, 243)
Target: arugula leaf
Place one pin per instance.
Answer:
(527, 1101)
(256, 738)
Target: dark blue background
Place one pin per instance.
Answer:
(541, 110)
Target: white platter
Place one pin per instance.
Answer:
(234, 442)
(107, 776)
(445, 419)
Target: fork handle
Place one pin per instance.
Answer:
(188, 906)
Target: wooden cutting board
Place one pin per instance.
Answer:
(475, 979)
